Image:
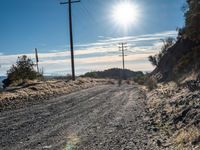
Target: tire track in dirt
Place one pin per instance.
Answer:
(102, 117)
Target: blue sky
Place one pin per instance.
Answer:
(26, 24)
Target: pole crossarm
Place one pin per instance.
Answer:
(71, 2)
(123, 47)
(122, 43)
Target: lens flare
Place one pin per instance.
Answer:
(125, 13)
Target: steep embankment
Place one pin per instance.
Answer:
(174, 110)
(167, 68)
(184, 56)
(174, 117)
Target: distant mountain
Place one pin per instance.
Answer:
(1, 79)
(115, 73)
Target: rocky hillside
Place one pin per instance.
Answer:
(173, 108)
(173, 115)
(172, 62)
(184, 56)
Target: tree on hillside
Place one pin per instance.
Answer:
(192, 22)
(21, 71)
(153, 60)
(167, 43)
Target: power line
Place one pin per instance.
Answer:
(69, 3)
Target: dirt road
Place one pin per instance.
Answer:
(100, 118)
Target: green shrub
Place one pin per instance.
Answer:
(153, 60)
(21, 71)
(167, 43)
(141, 80)
(151, 84)
(147, 81)
(189, 60)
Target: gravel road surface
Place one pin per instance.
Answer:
(104, 117)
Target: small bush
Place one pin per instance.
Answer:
(119, 82)
(151, 84)
(111, 82)
(20, 72)
(153, 60)
(128, 82)
(147, 81)
(141, 80)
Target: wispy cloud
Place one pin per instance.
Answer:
(100, 55)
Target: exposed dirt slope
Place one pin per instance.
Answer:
(174, 117)
(164, 71)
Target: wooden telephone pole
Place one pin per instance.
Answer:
(37, 59)
(71, 34)
(122, 48)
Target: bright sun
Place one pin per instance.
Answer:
(125, 14)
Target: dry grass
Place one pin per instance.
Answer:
(151, 84)
(111, 81)
(186, 136)
(40, 90)
(166, 103)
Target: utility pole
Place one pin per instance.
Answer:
(37, 59)
(71, 34)
(122, 48)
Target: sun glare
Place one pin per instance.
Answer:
(125, 14)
